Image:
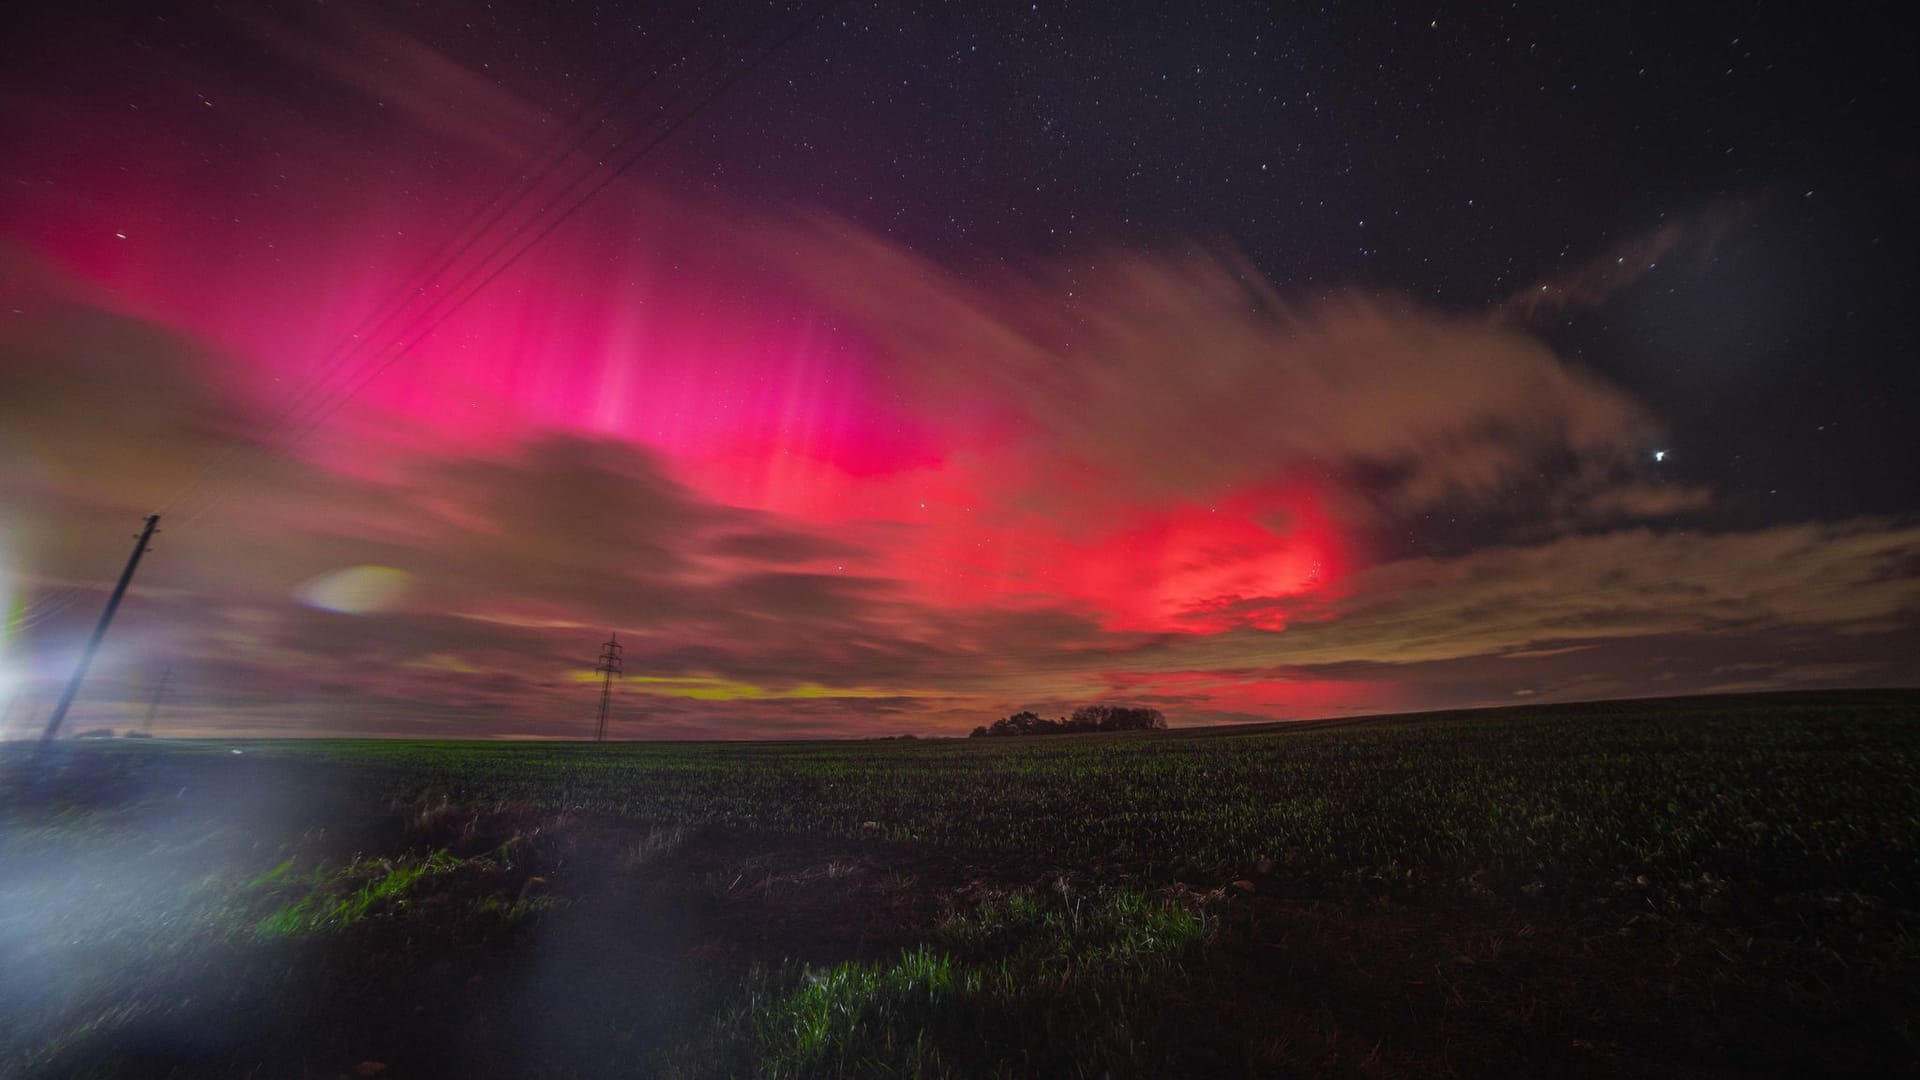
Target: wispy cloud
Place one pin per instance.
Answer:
(1193, 375)
(1593, 282)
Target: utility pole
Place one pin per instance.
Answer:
(609, 667)
(99, 632)
(153, 707)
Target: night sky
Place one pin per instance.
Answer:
(1245, 360)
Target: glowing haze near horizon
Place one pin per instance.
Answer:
(818, 482)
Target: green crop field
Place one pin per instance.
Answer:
(1709, 885)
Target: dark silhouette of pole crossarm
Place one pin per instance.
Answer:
(99, 633)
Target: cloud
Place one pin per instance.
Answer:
(107, 404)
(1150, 478)
(517, 561)
(1191, 376)
(1848, 578)
(1630, 500)
(1592, 283)
(357, 49)
(1626, 614)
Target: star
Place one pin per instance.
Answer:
(1659, 455)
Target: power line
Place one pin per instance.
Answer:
(45, 609)
(430, 319)
(22, 625)
(559, 147)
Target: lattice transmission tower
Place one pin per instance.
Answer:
(609, 667)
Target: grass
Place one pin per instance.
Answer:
(1073, 986)
(352, 893)
(1690, 886)
(1804, 795)
(332, 899)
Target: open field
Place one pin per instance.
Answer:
(1688, 887)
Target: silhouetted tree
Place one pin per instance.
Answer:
(1087, 718)
(1118, 718)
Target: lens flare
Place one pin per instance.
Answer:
(357, 590)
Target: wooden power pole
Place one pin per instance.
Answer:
(99, 633)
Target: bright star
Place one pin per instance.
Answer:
(1659, 455)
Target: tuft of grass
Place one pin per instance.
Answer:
(351, 894)
(271, 876)
(370, 888)
(657, 843)
(1120, 927)
(1050, 984)
(856, 1014)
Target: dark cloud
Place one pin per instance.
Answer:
(106, 407)
(777, 546)
(1724, 661)
(562, 513)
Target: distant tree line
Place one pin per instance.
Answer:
(1085, 718)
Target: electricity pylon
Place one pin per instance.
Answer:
(609, 667)
(153, 707)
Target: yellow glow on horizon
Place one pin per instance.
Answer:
(443, 661)
(708, 688)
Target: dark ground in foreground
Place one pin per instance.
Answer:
(1701, 886)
